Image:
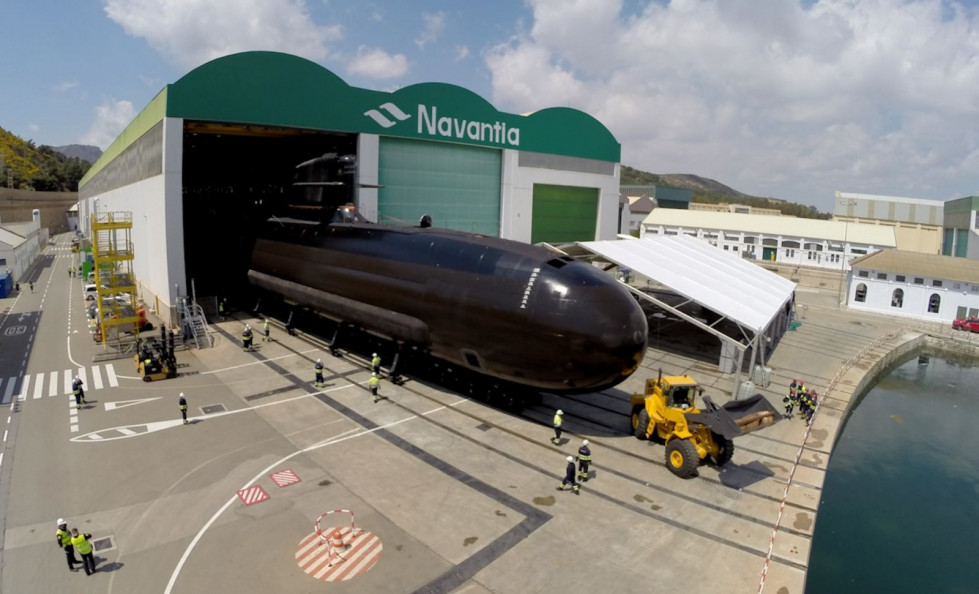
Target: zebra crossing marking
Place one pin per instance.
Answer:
(96, 378)
(23, 388)
(11, 382)
(9, 388)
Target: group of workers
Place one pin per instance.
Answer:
(374, 383)
(247, 336)
(71, 541)
(804, 396)
(583, 459)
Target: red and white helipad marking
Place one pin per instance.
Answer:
(362, 551)
(252, 495)
(284, 478)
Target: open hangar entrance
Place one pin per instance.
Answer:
(234, 178)
(744, 307)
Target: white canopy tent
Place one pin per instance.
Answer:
(756, 300)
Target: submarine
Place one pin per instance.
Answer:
(515, 312)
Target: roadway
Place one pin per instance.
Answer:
(458, 496)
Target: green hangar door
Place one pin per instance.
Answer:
(564, 213)
(457, 185)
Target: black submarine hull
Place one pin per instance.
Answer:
(512, 311)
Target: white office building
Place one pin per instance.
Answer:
(914, 285)
(785, 240)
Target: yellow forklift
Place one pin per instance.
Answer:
(153, 362)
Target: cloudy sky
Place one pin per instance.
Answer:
(775, 98)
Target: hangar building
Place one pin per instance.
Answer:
(200, 165)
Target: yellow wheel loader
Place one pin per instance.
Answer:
(667, 413)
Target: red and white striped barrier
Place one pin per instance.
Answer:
(847, 365)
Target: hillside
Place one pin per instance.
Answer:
(713, 192)
(85, 152)
(25, 166)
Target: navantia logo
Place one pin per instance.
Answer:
(431, 124)
(382, 120)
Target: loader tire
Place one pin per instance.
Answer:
(682, 458)
(640, 422)
(725, 449)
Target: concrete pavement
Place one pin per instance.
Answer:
(461, 495)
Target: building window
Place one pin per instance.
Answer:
(897, 298)
(899, 278)
(861, 295)
(863, 273)
(790, 253)
(734, 248)
(881, 276)
(858, 251)
(936, 283)
(3, 261)
(934, 302)
(919, 281)
(725, 248)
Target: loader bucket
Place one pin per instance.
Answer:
(737, 417)
(753, 413)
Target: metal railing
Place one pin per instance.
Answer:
(194, 323)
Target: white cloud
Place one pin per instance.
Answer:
(66, 86)
(784, 99)
(462, 52)
(374, 62)
(111, 118)
(434, 25)
(191, 32)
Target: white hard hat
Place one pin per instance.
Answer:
(181, 394)
(374, 355)
(584, 443)
(319, 360)
(374, 375)
(76, 377)
(570, 459)
(62, 521)
(560, 412)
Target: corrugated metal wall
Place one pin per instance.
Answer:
(457, 185)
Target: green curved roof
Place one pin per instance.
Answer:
(276, 89)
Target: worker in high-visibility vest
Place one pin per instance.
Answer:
(64, 541)
(78, 391)
(584, 459)
(84, 548)
(374, 383)
(558, 421)
(790, 399)
(266, 328)
(182, 404)
(569, 473)
(375, 363)
(318, 368)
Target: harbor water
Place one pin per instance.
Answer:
(900, 504)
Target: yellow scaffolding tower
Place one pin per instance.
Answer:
(115, 286)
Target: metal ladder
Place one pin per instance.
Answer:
(197, 323)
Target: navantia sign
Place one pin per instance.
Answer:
(428, 122)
